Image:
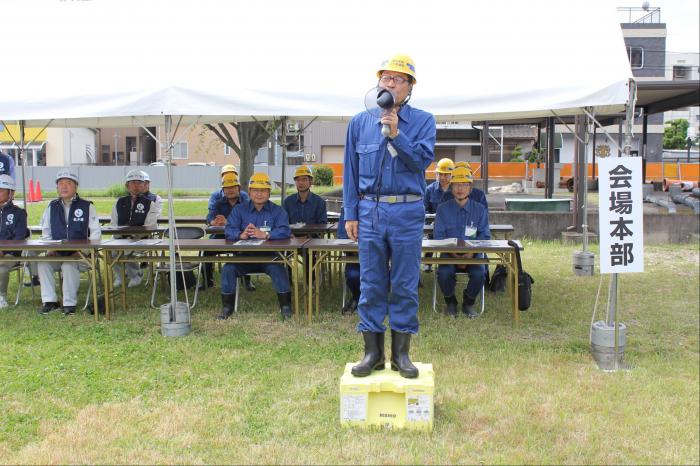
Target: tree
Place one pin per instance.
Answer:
(252, 135)
(675, 134)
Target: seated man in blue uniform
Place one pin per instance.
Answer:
(383, 190)
(13, 226)
(257, 219)
(461, 218)
(439, 190)
(67, 218)
(352, 272)
(476, 194)
(305, 206)
(134, 209)
(218, 215)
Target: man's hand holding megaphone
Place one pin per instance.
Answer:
(390, 118)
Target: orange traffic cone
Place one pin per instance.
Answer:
(30, 198)
(37, 193)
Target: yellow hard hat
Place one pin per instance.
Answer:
(302, 170)
(399, 63)
(445, 166)
(260, 180)
(463, 164)
(461, 175)
(228, 169)
(229, 180)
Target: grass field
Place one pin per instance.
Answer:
(255, 390)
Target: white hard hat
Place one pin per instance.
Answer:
(146, 177)
(67, 173)
(134, 175)
(7, 182)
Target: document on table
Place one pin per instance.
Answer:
(148, 242)
(483, 243)
(249, 242)
(345, 241)
(440, 242)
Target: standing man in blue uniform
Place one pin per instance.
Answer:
(383, 190)
(257, 219)
(305, 206)
(13, 226)
(352, 272)
(461, 218)
(67, 218)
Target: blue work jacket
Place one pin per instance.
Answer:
(370, 168)
(311, 211)
(245, 213)
(451, 220)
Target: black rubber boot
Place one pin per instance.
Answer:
(374, 355)
(248, 284)
(451, 308)
(468, 306)
(400, 345)
(229, 305)
(285, 300)
(350, 307)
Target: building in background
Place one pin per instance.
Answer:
(35, 152)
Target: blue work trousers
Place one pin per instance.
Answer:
(277, 272)
(446, 279)
(390, 238)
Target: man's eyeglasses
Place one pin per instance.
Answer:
(397, 79)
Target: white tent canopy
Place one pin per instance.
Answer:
(127, 63)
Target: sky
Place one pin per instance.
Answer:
(682, 18)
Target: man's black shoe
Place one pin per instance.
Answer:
(349, 308)
(248, 284)
(451, 306)
(48, 307)
(68, 310)
(34, 282)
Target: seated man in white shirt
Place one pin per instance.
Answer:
(67, 218)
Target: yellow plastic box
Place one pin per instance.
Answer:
(385, 399)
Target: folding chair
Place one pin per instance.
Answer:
(457, 275)
(240, 283)
(181, 264)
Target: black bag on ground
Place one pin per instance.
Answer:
(190, 279)
(499, 279)
(100, 305)
(525, 281)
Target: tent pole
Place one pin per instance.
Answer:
(171, 217)
(644, 147)
(24, 162)
(485, 156)
(284, 157)
(549, 191)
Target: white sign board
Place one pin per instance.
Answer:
(621, 218)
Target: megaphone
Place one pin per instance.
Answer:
(378, 101)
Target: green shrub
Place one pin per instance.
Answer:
(323, 175)
(117, 190)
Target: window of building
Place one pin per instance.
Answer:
(227, 149)
(180, 150)
(681, 73)
(106, 154)
(636, 56)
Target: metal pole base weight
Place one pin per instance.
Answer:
(175, 324)
(584, 263)
(606, 356)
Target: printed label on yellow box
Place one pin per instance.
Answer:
(353, 407)
(418, 408)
